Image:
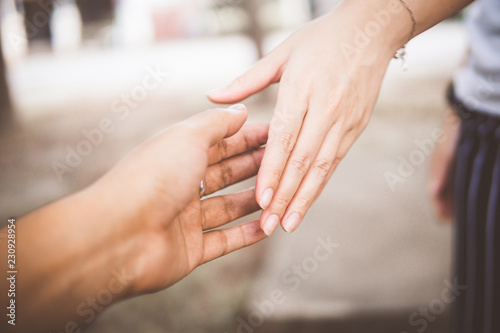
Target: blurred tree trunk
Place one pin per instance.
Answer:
(96, 15)
(93, 11)
(256, 32)
(5, 101)
(313, 8)
(37, 16)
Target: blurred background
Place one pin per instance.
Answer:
(369, 257)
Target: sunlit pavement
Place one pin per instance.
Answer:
(390, 257)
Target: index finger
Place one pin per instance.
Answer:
(283, 133)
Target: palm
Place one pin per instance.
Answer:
(183, 238)
(190, 238)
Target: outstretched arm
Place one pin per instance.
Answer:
(140, 228)
(330, 73)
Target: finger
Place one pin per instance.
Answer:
(443, 209)
(331, 153)
(283, 132)
(249, 137)
(232, 171)
(442, 199)
(221, 242)
(266, 71)
(302, 158)
(211, 126)
(220, 210)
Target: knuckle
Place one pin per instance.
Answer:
(300, 164)
(246, 141)
(337, 161)
(304, 200)
(299, 81)
(286, 141)
(226, 174)
(348, 125)
(322, 167)
(281, 201)
(243, 235)
(336, 100)
(204, 219)
(222, 149)
(224, 243)
(230, 207)
(333, 105)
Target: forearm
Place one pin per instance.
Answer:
(388, 24)
(71, 264)
(429, 13)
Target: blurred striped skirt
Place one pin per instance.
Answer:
(477, 211)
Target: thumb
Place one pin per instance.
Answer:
(266, 71)
(213, 125)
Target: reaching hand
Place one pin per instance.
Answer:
(161, 187)
(328, 88)
(143, 226)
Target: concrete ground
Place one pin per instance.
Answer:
(389, 256)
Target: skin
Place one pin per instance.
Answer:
(143, 221)
(146, 213)
(440, 182)
(326, 94)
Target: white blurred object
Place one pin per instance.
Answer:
(14, 40)
(134, 26)
(66, 27)
(324, 6)
(294, 12)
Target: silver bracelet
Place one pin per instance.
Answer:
(401, 53)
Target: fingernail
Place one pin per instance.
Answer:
(270, 224)
(237, 107)
(267, 196)
(292, 222)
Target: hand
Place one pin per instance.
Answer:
(162, 188)
(440, 183)
(326, 94)
(143, 226)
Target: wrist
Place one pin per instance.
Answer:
(70, 256)
(381, 26)
(111, 240)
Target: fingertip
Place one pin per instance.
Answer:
(223, 95)
(237, 108)
(216, 95)
(264, 189)
(291, 222)
(270, 224)
(266, 198)
(216, 124)
(254, 230)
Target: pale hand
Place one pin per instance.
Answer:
(328, 88)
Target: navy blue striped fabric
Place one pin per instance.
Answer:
(477, 209)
